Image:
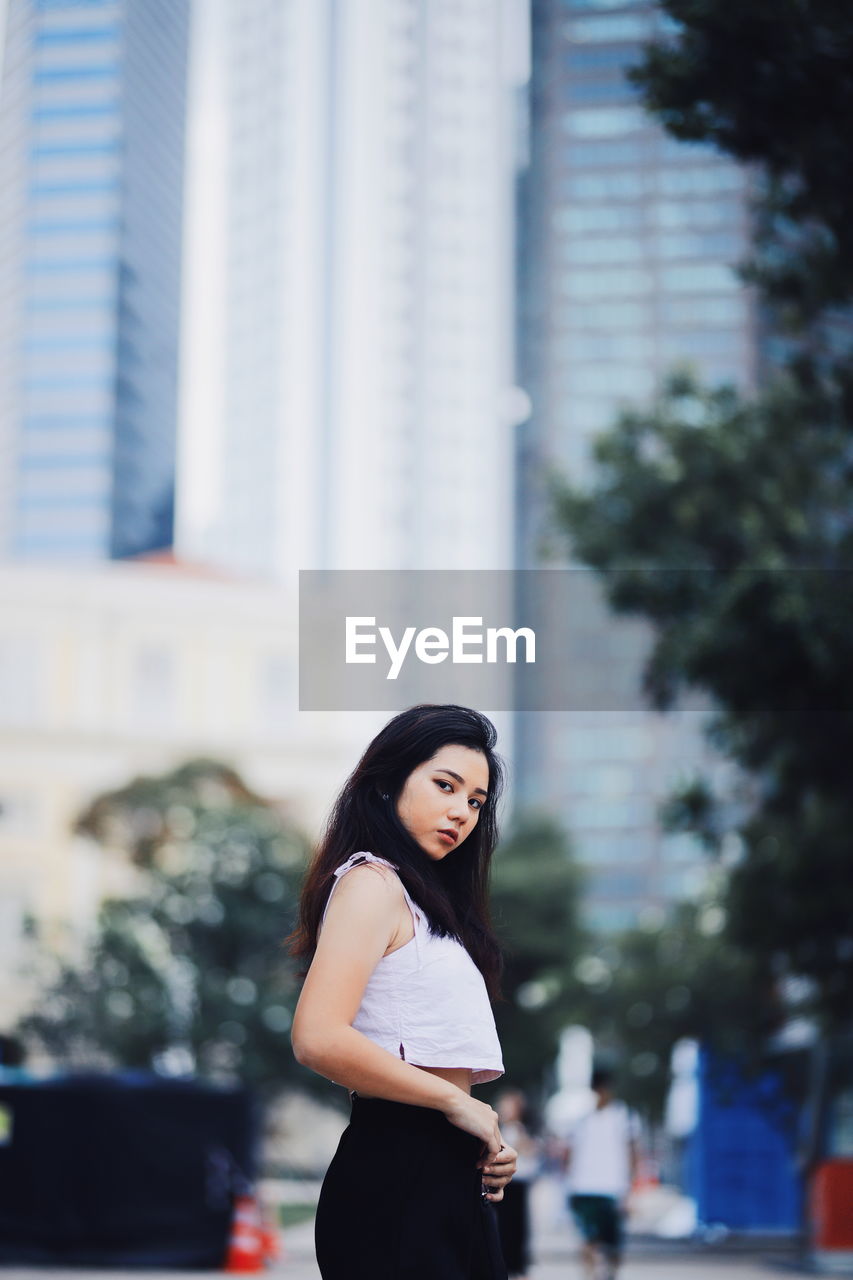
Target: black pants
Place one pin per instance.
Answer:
(599, 1220)
(401, 1200)
(513, 1217)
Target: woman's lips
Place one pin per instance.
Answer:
(449, 836)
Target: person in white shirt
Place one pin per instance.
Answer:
(602, 1160)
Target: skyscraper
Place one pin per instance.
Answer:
(366, 345)
(91, 186)
(627, 238)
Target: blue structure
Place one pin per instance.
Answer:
(740, 1159)
(92, 126)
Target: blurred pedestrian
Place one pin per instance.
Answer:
(602, 1162)
(395, 1006)
(513, 1212)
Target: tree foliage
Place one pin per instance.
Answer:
(725, 520)
(771, 85)
(647, 988)
(535, 904)
(189, 971)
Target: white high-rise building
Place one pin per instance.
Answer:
(348, 400)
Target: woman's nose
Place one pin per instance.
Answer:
(458, 810)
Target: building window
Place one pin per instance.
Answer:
(607, 59)
(696, 244)
(612, 315)
(604, 122)
(595, 154)
(277, 694)
(700, 182)
(77, 35)
(610, 283)
(705, 311)
(600, 218)
(608, 29)
(611, 379)
(606, 186)
(703, 342)
(698, 277)
(583, 414)
(676, 214)
(20, 679)
(581, 5)
(612, 346)
(605, 249)
(593, 89)
(153, 687)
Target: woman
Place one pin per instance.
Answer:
(395, 1006)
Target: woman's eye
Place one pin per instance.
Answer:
(442, 782)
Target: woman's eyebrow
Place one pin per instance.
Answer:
(461, 781)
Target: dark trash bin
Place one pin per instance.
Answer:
(121, 1170)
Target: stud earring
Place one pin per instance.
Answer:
(385, 795)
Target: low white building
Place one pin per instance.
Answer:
(123, 669)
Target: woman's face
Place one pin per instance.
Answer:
(442, 798)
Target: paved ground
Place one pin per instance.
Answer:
(555, 1251)
(300, 1265)
(557, 1260)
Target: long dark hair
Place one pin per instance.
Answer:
(453, 893)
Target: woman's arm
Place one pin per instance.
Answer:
(359, 925)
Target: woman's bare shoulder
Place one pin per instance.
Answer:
(368, 886)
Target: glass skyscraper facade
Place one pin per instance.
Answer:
(627, 239)
(92, 119)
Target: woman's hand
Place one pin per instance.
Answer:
(498, 1172)
(477, 1118)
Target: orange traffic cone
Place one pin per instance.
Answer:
(245, 1246)
(272, 1245)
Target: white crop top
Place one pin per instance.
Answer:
(427, 1002)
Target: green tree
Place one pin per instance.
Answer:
(726, 520)
(647, 988)
(771, 86)
(535, 897)
(190, 969)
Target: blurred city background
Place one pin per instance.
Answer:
(419, 285)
